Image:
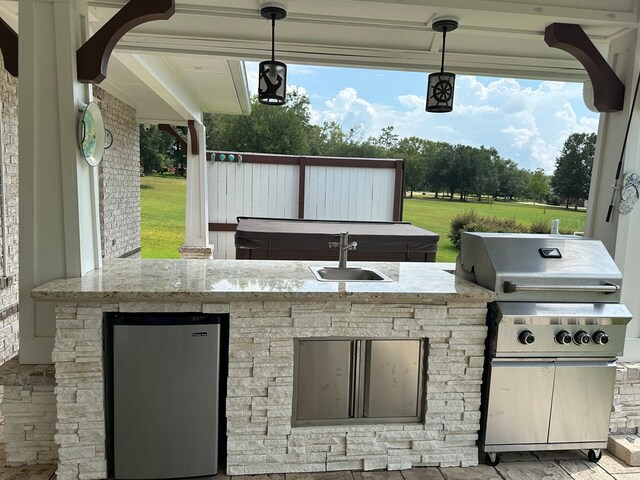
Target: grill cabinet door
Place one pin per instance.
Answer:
(582, 397)
(519, 402)
(324, 378)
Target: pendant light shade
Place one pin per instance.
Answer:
(272, 75)
(441, 85)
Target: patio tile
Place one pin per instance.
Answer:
(481, 472)
(422, 473)
(378, 475)
(532, 471)
(581, 470)
(555, 455)
(517, 457)
(342, 475)
(36, 472)
(614, 466)
(270, 476)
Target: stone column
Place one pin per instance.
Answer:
(59, 210)
(620, 234)
(196, 244)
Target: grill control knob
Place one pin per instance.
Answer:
(581, 337)
(563, 337)
(526, 337)
(600, 338)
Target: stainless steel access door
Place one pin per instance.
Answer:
(392, 378)
(324, 379)
(519, 402)
(582, 401)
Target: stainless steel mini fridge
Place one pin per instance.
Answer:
(165, 395)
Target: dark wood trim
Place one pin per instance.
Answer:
(93, 57)
(182, 143)
(608, 90)
(193, 137)
(131, 253)
(398, 192)
(222, 227)
(7, 312)
(350, 162)
(313, 161)
(302, 173)
(9, 47)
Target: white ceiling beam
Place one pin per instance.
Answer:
(239, 78)
(541, 67)
(591, 12)
(154, 72)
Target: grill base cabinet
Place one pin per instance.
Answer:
(342, 381)
(165, 389)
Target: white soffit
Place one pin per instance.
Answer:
(495, 38)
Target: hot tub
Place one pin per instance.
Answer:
(293, 239)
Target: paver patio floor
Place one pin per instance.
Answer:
(572, 465)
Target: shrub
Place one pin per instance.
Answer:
(540, 225)
(472, 221)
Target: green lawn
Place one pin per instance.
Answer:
(436, 214)
(162, 206)
(162, 199)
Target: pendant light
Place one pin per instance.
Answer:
(441, 85)
(272, 75)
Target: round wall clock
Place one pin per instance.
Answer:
(91, 134)
(629, 193)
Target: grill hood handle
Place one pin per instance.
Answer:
(511, 287)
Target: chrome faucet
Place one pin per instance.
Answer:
(344, 246)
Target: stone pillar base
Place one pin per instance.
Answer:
(198, 253)
(29, 408)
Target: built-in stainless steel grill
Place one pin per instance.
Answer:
(554, 334)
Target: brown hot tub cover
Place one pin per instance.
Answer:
(293, 239)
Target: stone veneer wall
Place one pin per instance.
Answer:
(9, 162)
(260, 386)
(625, 417)
(120, 179)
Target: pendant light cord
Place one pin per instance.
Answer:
(444, 43)
(624, 145)
(273, 37)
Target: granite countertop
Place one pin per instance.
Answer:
(224, 280)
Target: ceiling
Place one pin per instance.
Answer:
(172, 70)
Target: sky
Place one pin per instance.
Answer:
(526, 121)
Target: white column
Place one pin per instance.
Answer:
(622, 234)
(59, 208)
(196, 236)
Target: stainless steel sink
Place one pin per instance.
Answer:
(351, 274)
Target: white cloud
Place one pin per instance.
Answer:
(526, 121)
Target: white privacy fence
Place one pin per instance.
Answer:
(283, 186)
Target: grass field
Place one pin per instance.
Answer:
(162, 199)
(436, 214)
(162, 206)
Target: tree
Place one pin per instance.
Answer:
(413, 151)
(158, 150)
(268, 129)
(538, 185)
(438, 166)
(572, 174)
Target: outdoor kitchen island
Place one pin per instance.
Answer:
(271, 303)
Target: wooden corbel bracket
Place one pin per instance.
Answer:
(608, 90)
(193, 136)
(182, 143)
(93, 57)
(9, 47)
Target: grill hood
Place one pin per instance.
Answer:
(522, 267)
